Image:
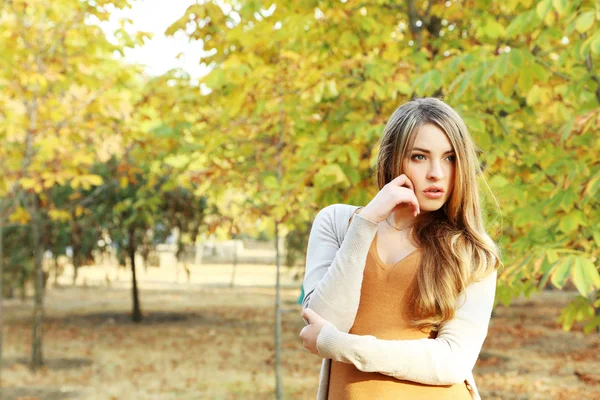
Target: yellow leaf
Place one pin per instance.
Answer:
(20, 215)
(508, 85)
(290, 54)
(59, 215)
(585, 276)
(27, 183)
(331, 87)
(318, 92)
(534, 95)
(94, 180)
(60, 179)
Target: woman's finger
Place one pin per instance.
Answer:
(403, 181)
(307, 314)
(408, 183)
(415, 203)
(302, 331)
(399, 181)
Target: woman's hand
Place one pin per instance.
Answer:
(399, 191)
(311, 331)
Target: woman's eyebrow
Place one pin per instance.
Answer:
(427, 151)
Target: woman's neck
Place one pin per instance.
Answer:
(402, 216)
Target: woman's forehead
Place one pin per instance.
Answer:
(430, 138)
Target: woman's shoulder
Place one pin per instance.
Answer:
(336, 217)
(339, 213)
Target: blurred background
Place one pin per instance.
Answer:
(162, 163)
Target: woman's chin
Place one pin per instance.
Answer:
(426, 204)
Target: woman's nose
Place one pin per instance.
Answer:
(435, 172)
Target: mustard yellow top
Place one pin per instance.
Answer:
(383, 312)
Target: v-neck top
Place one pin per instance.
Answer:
(384, 312)
(380, 262)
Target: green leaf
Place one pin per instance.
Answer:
(592, 325)
(520, 23)
(271, 182)
(322, 135)
(560, 6)
(352, 174)
(542, 74)
(516, 58)
(579, 309)
(502, 65)
(331, 175)
(552, 256)
(585, 276)
(492, 29)
(595, 43)
(561, 272)
(570, 222)
(463, 80)
(353, 155)
(498, 182)
(403, 88)
(596, 235)
(543, 7)
(566, 130)
(525, 81)
(428, 82)
(585, 21)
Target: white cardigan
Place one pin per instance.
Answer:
(335, 264)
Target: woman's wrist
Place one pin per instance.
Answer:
(369, 217)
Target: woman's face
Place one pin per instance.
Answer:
(430, 166)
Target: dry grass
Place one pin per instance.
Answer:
(218, 343)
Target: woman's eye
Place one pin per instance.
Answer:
(418, 155)
(452, 158)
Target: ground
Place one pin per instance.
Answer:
(216, 342)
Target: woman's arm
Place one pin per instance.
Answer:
(334, 273)
(445, 360)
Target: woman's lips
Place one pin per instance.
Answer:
(433, 195)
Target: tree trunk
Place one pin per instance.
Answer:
(1, 283)
(137, 312)
(77, 246)
(235, 263)
(23, 285)
(75, 270)
(56, 269)
(278, 381)
(37, 360)
(596, 295)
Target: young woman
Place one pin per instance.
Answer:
(399, 293)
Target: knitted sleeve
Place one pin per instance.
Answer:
(447, 359)
(334, 272)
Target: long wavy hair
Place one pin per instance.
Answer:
(456, 248)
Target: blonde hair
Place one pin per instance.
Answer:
(456, 248)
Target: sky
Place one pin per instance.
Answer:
(158, 54)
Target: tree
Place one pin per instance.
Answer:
(521, 73)
(60, 76)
